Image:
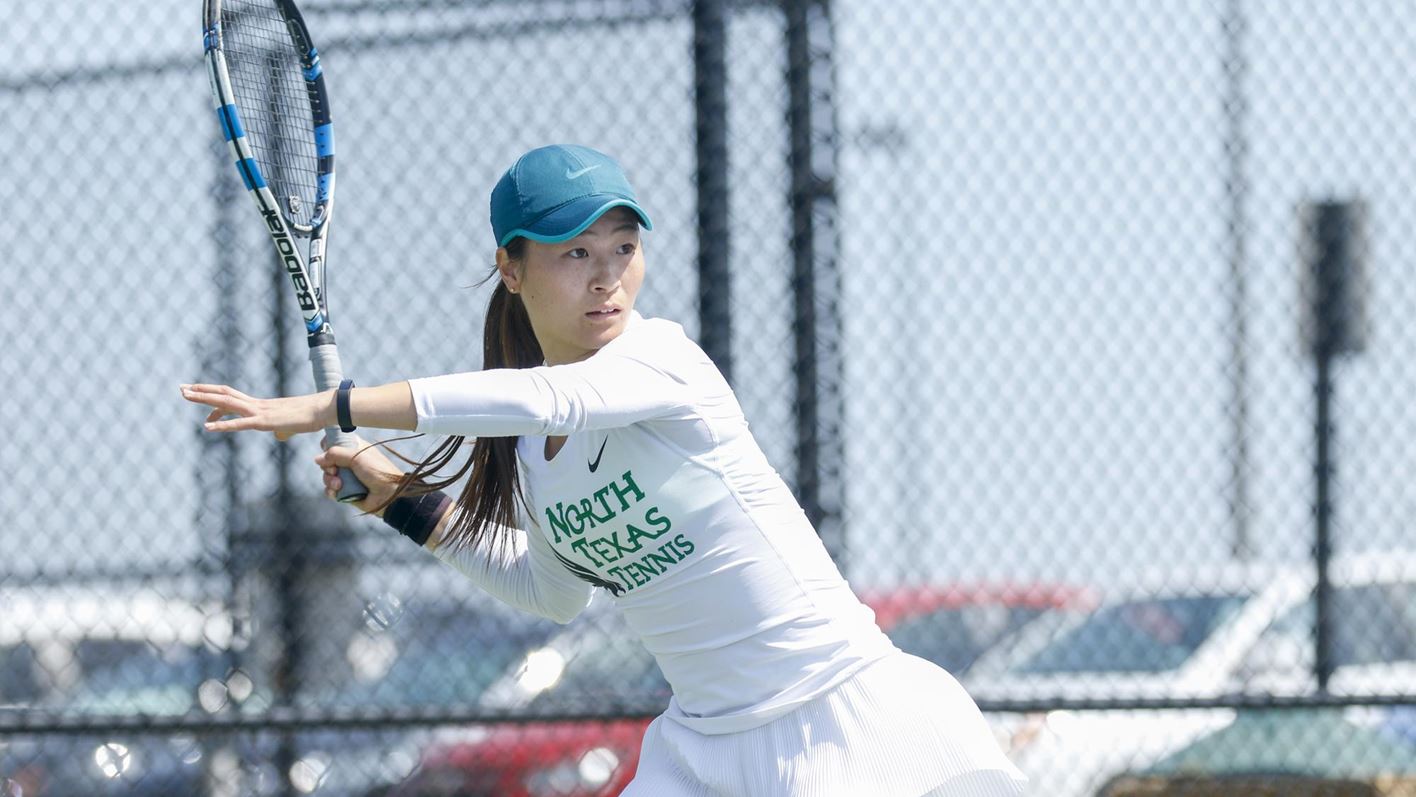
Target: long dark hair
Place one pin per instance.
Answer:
(487, 506)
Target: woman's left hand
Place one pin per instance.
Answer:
(285, 417)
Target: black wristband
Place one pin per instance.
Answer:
(341, 406)
(415, 516)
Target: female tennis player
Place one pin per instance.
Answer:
(610, 452)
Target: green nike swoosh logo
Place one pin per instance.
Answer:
(594, 466)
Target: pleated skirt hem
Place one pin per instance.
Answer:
(901, 727)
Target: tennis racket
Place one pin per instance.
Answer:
(269, 90)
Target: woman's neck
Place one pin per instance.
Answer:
(566, 358)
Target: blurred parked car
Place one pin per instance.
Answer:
(423, 655)
(954, 625)
(1282, 751)
(126, 653)
(1244, 630)
(1399, 722)
(597, 666)
(79, 651)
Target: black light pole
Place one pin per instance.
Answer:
(1332, 254)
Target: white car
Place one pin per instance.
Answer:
(80, 650)
(57, 642)
(1232, 630)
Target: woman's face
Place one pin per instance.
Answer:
(579, 293)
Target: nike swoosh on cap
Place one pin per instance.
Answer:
(571, 175)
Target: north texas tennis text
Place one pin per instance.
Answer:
(621, 529)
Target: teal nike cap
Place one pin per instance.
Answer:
(551, 194)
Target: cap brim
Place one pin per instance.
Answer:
(573, 218)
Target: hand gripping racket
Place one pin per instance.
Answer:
(269, 90)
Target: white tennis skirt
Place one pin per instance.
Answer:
(901, 727)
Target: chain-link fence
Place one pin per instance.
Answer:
(1082, 330)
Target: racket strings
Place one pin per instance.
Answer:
(275, 102)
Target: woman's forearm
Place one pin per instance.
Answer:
(384, 407)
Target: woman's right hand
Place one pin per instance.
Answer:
(285, 417)
(374, 469)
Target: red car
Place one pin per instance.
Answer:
(577, 758)
(596, 667)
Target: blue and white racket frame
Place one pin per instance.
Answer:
(306, 273)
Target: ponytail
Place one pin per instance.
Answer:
(488, 504)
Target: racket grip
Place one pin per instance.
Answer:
(324, 359)
(351, 490)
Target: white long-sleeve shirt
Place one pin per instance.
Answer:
(661, 495)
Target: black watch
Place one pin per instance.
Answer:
(341, 406)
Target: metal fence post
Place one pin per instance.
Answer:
(710, 106)
(816, 283)
(1236, 191)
